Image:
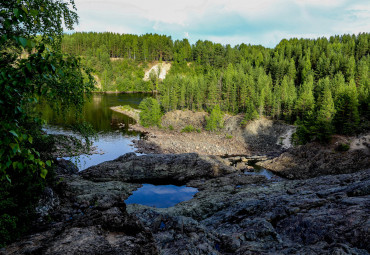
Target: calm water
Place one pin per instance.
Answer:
(161, 196)
(262, 171)
(112, 140)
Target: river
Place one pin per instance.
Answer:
(113, 140)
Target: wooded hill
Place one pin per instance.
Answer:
(309, 81)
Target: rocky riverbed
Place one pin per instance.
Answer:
(258, 137)
(233, 213)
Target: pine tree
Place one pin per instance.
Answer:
(324, 127)
(250, 112)
(306, 101)
(347, 117)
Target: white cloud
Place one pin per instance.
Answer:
(263, 22)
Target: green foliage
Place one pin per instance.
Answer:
(170, 127)
(250, 113)
(8, 226)
(347, 118)
(127, 108)
(343, 147)
(188, 129)
(215, 119)
(228, 136)
(32, 29)
(150, 114)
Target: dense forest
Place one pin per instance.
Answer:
(322, 85)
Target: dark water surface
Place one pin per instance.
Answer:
(161, 196)
(113, 140)
(262, 171)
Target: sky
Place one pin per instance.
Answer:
(233, 22)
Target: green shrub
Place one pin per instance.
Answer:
(150, 114)
(228, 136)
(188, 129)
(170, 127)
(215, 119)
(343, 147)
(127, 108)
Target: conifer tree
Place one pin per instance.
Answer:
(324, 127)
(347, 117)
(215, 119)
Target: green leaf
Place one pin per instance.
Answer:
(24, 9)
(15, 147)
(48, 163)
(16, 12)
(8, 163)
(23, 41)
(24, 137)
(43, 173)
(13, 133)
(34, 13)
(15, 165)
(7, 177)
(30, 139)
(28, 65)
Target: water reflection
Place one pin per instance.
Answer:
(97, 112)
(161, 196)
(113, 140)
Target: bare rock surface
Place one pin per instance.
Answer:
(314, 159)
(89, 218)
(158, 168)
(250, 215)
(233, 212)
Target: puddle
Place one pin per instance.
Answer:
(262, 171)
(161, 196)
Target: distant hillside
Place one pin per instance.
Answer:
(323, 85)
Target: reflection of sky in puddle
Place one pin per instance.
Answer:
(261, 171)
(161, 196)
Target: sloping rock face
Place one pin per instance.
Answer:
(158, 168)
(179, 119)
(313, 160)
(265, 136)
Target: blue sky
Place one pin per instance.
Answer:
(233, 22)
